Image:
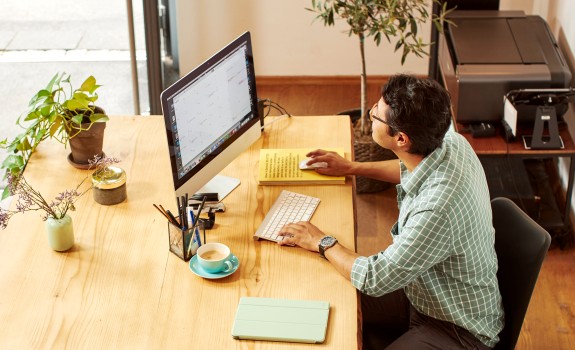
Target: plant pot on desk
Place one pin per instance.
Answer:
(87, 143)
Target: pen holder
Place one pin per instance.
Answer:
(179, 240)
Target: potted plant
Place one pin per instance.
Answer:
(63, 113)
(378, 19)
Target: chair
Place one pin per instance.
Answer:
(521, 245)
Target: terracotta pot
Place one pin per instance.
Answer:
(87, 144)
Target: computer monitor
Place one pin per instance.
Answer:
(211, 116)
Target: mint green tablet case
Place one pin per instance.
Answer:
(300, 321)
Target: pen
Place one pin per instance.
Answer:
(173, 218)
(162, 212)
(195, 223)
(167, 215)
(183, 213)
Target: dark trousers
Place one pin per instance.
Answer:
(390, 322)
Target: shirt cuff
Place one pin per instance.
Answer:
(359, 272)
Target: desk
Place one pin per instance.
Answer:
(497, 147)
(120, 287)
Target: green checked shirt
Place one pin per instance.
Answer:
(442, 251)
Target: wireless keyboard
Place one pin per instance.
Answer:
(288, 207)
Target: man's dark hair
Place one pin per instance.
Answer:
(420, 108)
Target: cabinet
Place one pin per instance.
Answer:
(529, 178)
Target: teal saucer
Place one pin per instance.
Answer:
(198, 270)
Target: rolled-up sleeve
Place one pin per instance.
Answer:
(422, 242)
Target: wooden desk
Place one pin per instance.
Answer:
(497, 147)
(120, 287)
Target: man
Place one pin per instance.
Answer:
(442, 264)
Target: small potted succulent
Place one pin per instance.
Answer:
(63, 113)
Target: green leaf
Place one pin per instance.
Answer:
(55, 80)
(6, 193)
(39, 137)
(89, 84)
(98, 118)
(31, 116)
(13, 161)
(74, 105)
(24, 145)
(399, 43)
(413, 25)
(46, 111)
(54, 127)
(77, 119)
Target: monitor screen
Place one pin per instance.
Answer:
(211, 116)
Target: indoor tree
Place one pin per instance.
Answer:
(397, 19)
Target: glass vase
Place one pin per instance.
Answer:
(60, 233)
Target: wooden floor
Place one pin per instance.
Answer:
(550, 320)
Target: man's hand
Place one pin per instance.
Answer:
(302, 234)
(336, 164)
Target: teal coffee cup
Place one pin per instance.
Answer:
(215, 257)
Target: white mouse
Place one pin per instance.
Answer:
(303, 165)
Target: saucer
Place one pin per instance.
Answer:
(198, 270)
(80, 165)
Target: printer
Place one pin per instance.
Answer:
(482, 55)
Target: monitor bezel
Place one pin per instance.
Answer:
(190, 77)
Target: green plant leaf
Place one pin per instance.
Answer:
(46, 110)
(77, 119)
(40, 96)
(24, 145)
(54, 81)
(6, 192)
(13, 161)
(39, 137)
(74, 105)
(98, 118)
(89, 84)
(55, 126)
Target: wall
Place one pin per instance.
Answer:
(286, 40)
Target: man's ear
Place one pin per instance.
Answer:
(403, 140)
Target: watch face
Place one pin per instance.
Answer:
(328, 241)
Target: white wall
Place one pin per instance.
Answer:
(286, 39)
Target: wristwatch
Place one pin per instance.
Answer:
(325, 243)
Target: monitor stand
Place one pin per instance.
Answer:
(545, 116)
(221, 184)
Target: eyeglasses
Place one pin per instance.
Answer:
(373, 116)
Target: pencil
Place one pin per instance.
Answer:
(162, 212)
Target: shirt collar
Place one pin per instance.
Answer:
(412, 181)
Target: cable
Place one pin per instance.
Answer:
(265, 107)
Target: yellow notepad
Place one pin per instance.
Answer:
(281, 167)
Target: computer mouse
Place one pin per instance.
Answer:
(303, 165)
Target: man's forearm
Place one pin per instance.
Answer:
(385, 170)
(342, 259)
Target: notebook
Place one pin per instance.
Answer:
(300, 321)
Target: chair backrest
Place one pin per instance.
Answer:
(521, 245)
